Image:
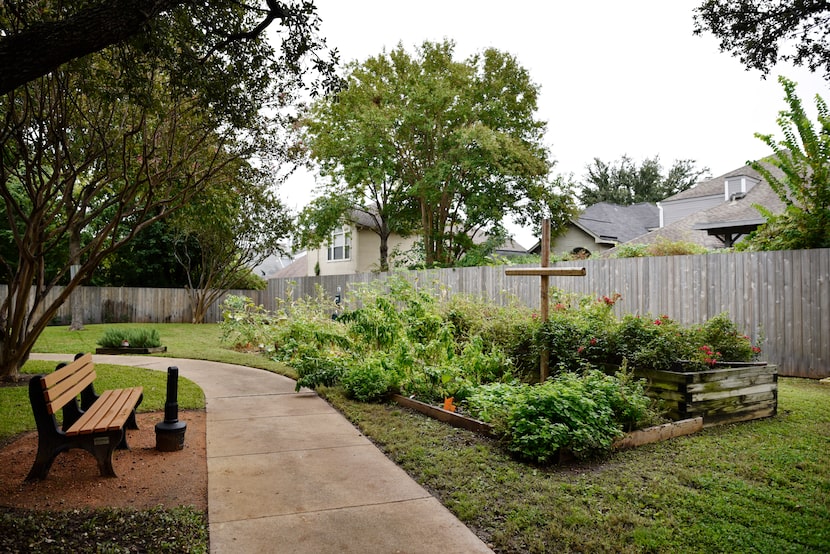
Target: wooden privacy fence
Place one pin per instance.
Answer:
(780, 299)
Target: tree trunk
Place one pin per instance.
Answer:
(75, 302)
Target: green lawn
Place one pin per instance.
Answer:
(762, 486)
(183, 340)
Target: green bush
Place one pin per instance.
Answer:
(571, 413)
(370, 382)
(661, 247)
(135, 338)
(580, 414)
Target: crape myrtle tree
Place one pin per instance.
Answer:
(624, 182)
(428, 143)
(803, 156)
(110, 142)
(232, 225)
(762, 32)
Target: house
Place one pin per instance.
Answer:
(355, 248)
(718, 212)
(602, 226)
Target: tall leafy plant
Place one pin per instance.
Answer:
(804, 158)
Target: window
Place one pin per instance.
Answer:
(340, 245)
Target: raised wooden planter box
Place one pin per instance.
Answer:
(720, 395)
(630, 440)
(131, 350)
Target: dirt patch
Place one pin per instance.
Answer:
(146, 477)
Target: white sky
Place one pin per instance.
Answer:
(616, 77)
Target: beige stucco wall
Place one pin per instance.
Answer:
(575, 237)
(365, 254)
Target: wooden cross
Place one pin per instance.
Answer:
(544, 273)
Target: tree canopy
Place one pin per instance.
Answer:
(197, 39)
(803, 155)
(624, 182)
(99, 149)
(762, 32)
(430, 143)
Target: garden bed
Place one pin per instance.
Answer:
(633, 439)
(720, 395)
(131, 350)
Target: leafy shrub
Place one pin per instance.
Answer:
(244, 324)
(630, 251)
(651, 342)
(662, 247)
(135, 338)
(569, 413)
(580, 414)
(369, 382)
(721, 334)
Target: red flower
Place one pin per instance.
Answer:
(593, 341)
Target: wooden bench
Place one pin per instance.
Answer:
(96, 425)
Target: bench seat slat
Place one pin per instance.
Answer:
(109, 413)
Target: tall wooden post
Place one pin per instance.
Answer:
(544, 308)
(544, 274)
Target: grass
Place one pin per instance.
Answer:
(762, 486)
(16, 413)
(183, 340)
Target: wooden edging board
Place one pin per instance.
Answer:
(630, 440)
(659, 433)
(451, 418)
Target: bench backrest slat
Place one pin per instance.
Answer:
(64, 384)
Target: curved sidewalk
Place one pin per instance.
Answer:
(288, 474)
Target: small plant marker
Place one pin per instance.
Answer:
(544, 274)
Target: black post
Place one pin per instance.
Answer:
(170, 433)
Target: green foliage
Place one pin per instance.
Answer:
(581, 415)
(625, 183)
(804, 159)
(370, 382)
(429, 143)
(661, 247)
(762, 33)
(135, 338)
(650, 342)
(244, 324)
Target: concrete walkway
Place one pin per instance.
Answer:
(288, 474)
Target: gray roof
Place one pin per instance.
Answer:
(297, 268)
(726, 214)
(614, 223)
(714, 187)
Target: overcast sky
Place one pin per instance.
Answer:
(616, 77)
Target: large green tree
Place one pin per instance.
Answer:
(113, 141)
(803, 156)
(429, 142)
(762, 32)
(624, 182)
